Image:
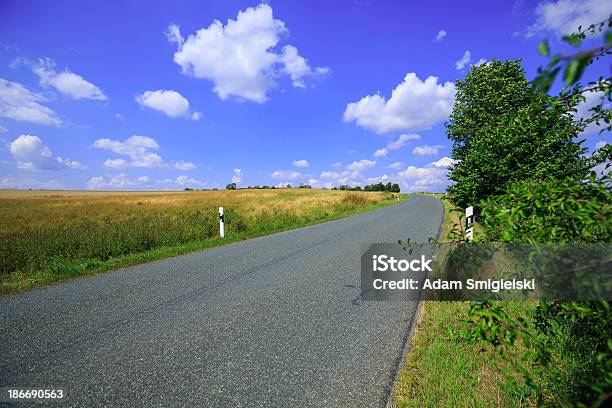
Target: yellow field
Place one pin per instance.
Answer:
(52, 235)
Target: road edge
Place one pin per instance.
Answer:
(414, 321)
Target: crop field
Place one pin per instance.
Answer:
(48, 236)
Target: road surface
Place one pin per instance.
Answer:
(272, 321)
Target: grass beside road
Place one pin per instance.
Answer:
(51, 236)
(445, 365)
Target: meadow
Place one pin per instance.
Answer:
(48, 236)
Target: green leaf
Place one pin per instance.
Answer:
(572, 39)
(608, 38)
(543, 48)
(573, 71)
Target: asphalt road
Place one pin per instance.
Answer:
(273, 321)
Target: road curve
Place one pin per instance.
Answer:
(272, 321)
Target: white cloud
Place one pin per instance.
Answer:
(184, 181)
(174, 35)
(237, 177)
(428, 178)
(480, 62)
(381, 152)
(301, 163)
(66, 82)
(440, 36)
(426, 150)
(464, 61)
(444, 162)
(183, 165)
(337, 164)
(286, 175)
(132, 146)
(31, 153)
(329, 174)
(21, 182)
(3, 129)
(402, 140)
(169, 102)
(413, 105)
(115, 163)
(19, 103)
(137, 148)
(361, 165)
(119, 116)
(122, 181)
(297, 67)
(396, 165)
(565, 16)
(240, 57)
(380, 179)
(600, 144)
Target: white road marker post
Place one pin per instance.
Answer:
(469, 223)
(221, 223)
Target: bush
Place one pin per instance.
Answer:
(569, 352)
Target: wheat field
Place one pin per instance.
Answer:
(47, 236)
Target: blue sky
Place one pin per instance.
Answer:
(168, 95)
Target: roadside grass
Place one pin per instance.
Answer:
(48, 237)
(445, 364)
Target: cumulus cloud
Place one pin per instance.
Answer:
(428, 178)
(286, 175)
(141, 153)
(381, 152)
(337, 164)
(329, 174)
(184, 165)
(464, 61)
(122, 181)
(241, 58)
(301, 163)
(237, 177)
(66, 82)
(402, 140)
(444, 162)
(426, 150)
(346, 177)
(297, 67)
(396, 165)
(169, 102)
(184, 181)
(440, 36)
(413, 105)
(31, 153)
(361, 165)
(565, 16)
(19, 103)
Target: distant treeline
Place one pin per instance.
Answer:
(391, 187)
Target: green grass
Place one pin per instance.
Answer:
(50, 238)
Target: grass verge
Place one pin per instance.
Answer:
(445, 364)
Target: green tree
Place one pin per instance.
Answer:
(230, 186)
(503, 129)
